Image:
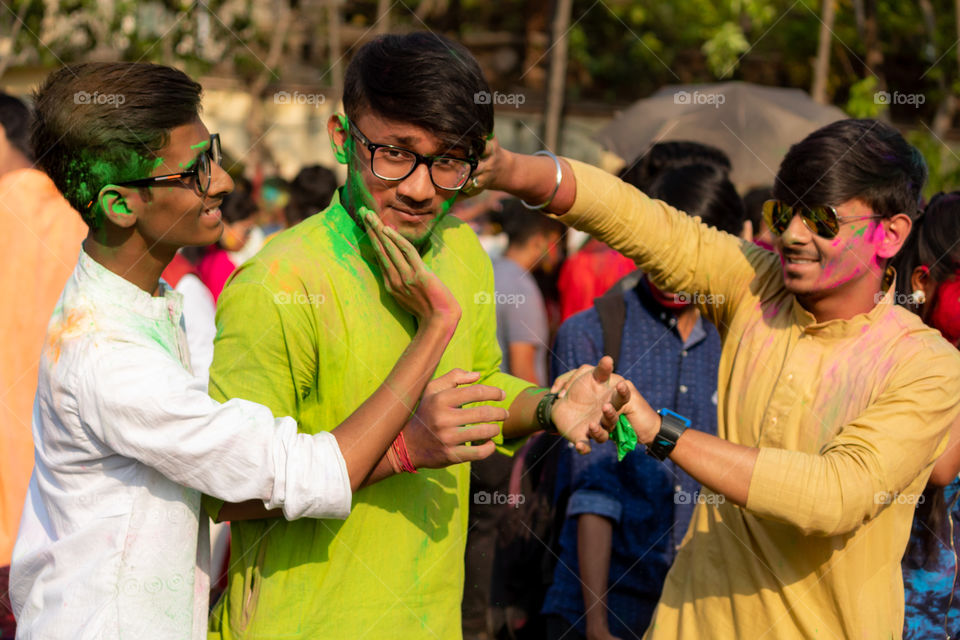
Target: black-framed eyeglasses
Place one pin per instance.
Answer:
(822, 220)
(389, 162)
(201, 170)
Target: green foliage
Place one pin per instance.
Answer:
(724, 49)
(943, 162)
(863, 99)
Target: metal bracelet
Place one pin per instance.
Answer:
(556, 187)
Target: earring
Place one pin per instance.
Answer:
(918, 296)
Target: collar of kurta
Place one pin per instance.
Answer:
(120, 292)
(841, 328)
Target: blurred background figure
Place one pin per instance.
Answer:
(310, 192)
(587, 274)
(272, 198)
(625, 520)
(40, 236)
(199, 313)
(523, 333)
(754, 228)
(928, 283)
(215, 264)
(534, 244)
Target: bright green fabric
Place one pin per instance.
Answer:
(307, 329)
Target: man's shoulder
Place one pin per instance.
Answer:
(913, 338)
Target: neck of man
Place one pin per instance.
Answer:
(12, 160)
(686, 320)
(847, 300)
(124, 253)
(526, 256)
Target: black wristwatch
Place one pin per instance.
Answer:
(672, 426)
(544, 409)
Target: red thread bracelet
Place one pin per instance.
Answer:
(400, 448)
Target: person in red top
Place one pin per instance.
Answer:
(588, 274)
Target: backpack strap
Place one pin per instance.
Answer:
(612, 309)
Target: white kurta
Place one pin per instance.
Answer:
(112, 543)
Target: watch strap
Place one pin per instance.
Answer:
(672, 426)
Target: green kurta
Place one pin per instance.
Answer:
(307, 329)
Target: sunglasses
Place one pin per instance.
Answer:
(822, 220)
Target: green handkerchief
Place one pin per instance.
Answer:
(625, 437)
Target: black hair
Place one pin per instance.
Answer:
(664, 156)
(239, 204)
(99, 123)
(853, 159)
(701, 190)
(310, 192)
(934, 241)
(15, 120)
(424, 79)
(520, 224)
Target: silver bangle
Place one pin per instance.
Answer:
(556, 187)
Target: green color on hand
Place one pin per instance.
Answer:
(625, 437)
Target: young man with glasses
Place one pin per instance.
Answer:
(305, 328)
(834, 402)
(111, 542)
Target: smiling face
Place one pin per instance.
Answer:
(413, 205)
(172, 214)
(849, 266)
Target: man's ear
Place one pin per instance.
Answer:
(895, 232)
(337, 129)
(113, 202)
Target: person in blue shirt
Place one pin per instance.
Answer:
(625, 520)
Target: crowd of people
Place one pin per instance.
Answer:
(307, 409)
